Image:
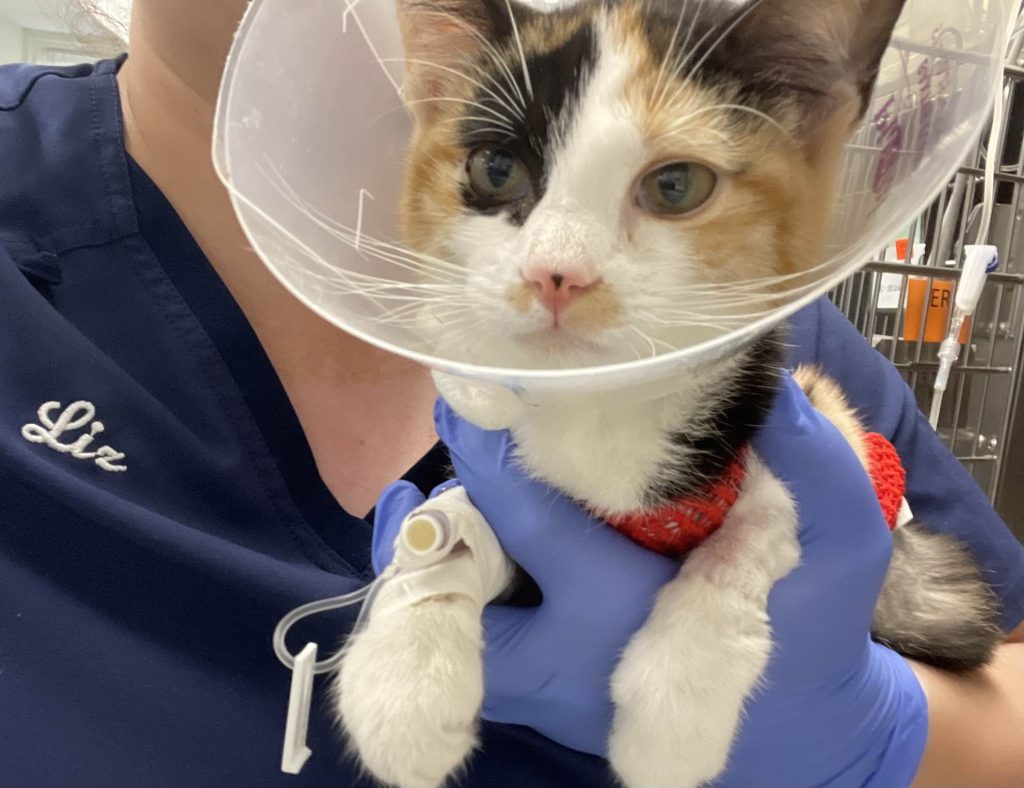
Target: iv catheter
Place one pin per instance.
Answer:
(445, 531)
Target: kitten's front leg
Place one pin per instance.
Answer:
(411, 682)
(680, 687)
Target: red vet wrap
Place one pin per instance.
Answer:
(679, 526)
(887, 474)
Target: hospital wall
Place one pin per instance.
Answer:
(11, 41)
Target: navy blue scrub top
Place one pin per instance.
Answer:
(160, 509)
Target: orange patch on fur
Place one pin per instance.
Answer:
(775, 203)
(773, 213)
(598, 308)
(520, 297)
(430, 200)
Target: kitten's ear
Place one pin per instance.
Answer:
(826, 53)
(439, 37)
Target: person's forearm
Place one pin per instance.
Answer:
(976, 724)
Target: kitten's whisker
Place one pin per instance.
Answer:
(522, 53)
(458, 329)
(697, 311)
(682, 59)
(504, 103)
(647, 339)
(466, 336)
(515, 101)
(693, 27)
(399, 312)
(633, 347)
(699, 322)
(415, 314)
(670, 52)
(680, 125)
(370, 280)
(416, 262)
(721, 307)
(681, 56)
(505, 134)
(444, 274)
(505, 126)
(388, 291)
(707, 293)
(453, 100)
(429, 310)
(725, 34)
(758, 114)
(668, 318)
(492, 52)
(745, 312)
(420, 257)
(762, 283)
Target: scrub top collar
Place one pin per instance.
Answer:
(91, 204)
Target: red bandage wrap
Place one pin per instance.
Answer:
(680, 525)
(888, 476)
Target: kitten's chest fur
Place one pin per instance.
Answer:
(618, 454)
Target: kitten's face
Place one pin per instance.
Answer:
(593, 171)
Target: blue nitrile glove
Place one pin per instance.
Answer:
(836, 708)
(545, 667)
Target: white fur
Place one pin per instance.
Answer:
(680, 688)
(411, 681)
(410, 690)
(586, 221)
(632, 436)
(411, 685)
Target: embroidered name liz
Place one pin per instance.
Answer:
(74, 417)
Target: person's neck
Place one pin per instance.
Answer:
(349, 396)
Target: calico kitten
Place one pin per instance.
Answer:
(613, 175)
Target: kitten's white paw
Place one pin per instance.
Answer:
(680, 687)
(410, 689)
(677, 709)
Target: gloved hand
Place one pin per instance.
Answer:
(546, 667)
(836, 708)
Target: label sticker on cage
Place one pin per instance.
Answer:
(889, 291)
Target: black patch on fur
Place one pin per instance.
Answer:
(557, 78)
(708, 449)
(756, 52)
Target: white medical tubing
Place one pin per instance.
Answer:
(443, 548)
(979, 261)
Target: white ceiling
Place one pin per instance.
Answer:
(44, 14)
(28, 13)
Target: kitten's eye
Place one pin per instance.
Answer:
(676, 189)
(497, 175)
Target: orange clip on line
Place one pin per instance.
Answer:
(936, 314)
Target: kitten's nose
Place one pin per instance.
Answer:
(557, 289)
